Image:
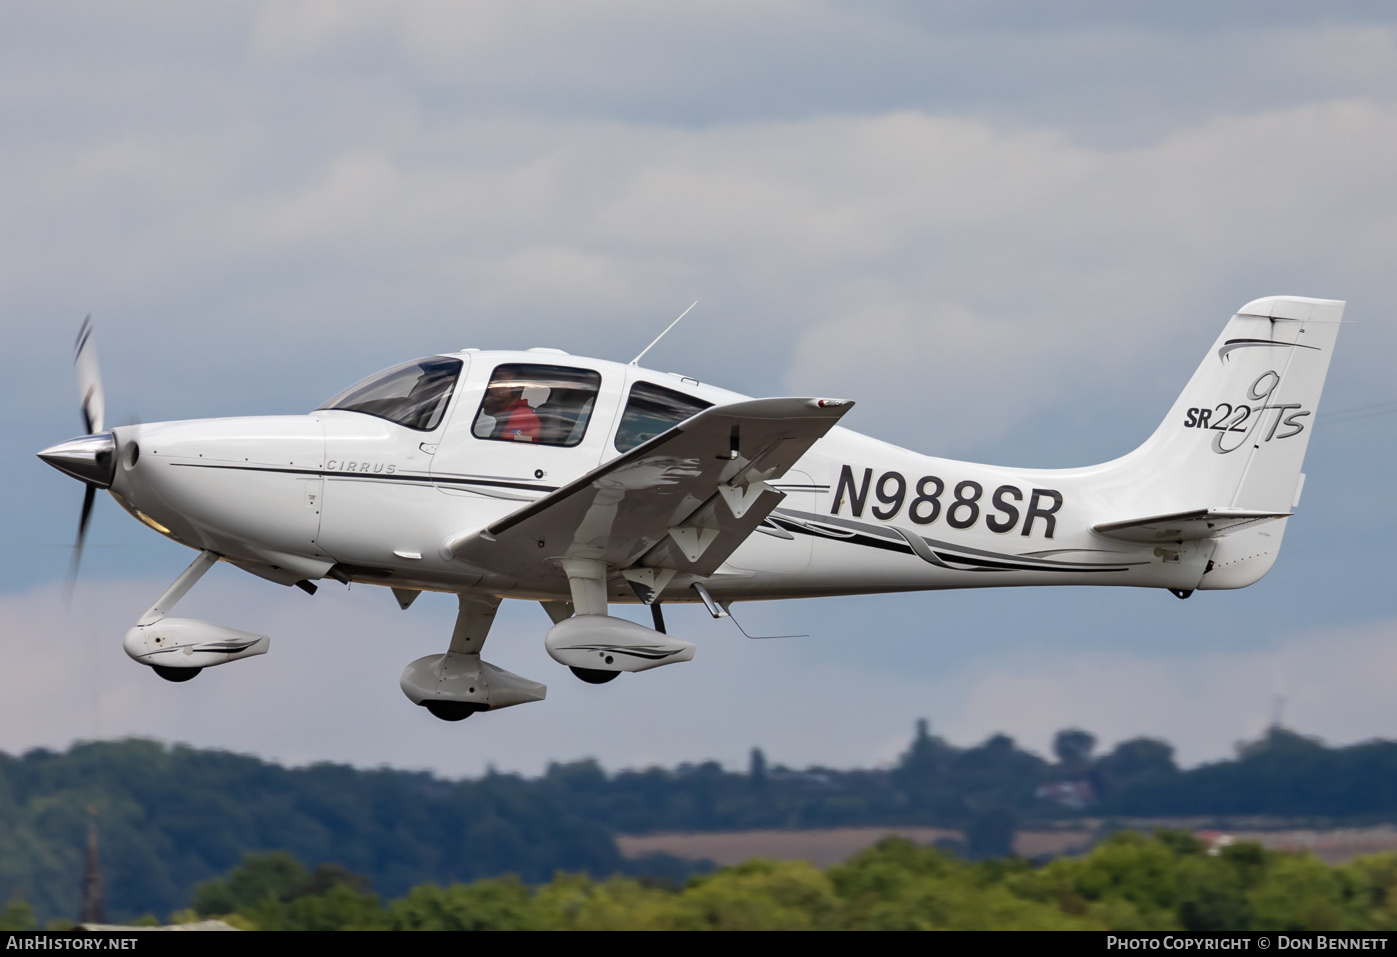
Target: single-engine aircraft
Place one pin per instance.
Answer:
(579, 483)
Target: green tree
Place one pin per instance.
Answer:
(758, 895)
(18, 915)
(991, 833)
(258, 878)
(1372, 887)
(338, 908)
(1073, 748)
(498, 904)
(898, 886)
(575, 902)
(274, 891)
(1303, 893)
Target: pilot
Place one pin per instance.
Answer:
(515, 419)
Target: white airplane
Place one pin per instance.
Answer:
(579, 483)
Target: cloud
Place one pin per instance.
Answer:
(965, 256)
(1335, 684)
(336, 205)
(938, 375)
(992, 327)
(1006, 234)
(327, 690)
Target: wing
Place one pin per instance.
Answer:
(1189, 526)
(680, 503)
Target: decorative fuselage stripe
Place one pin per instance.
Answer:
(402, 478)
(221, 647)
(649, 654)
(943, 554)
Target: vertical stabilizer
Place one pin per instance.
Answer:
(1233, 444)
(1236, 437)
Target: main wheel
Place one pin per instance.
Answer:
(594, 677)
(452, 710)
(175, 674)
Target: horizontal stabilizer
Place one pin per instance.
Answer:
(1190, 526)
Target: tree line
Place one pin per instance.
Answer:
(171, 817)
(1169, 881)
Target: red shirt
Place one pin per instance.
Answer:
(521, 424)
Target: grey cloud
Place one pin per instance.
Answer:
(328, 688)
(1335, 685)
(1114, 72)
(1044, 219)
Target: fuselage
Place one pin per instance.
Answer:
(356, 496)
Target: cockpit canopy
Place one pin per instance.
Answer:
(414, 394)
(523, 402)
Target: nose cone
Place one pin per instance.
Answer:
(88, 458)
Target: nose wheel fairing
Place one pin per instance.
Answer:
(179, 648)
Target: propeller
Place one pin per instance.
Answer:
(90, 458)
(94, 403)
(94, 411)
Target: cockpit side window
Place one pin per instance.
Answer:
(414, 394)
(546, 405)
(652, 409)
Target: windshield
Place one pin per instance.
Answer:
(414, 394)
(653, 409)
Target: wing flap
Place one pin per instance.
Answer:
(705, 539)
(1190, 526)
(684, 500)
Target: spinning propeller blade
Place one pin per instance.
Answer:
(89, 496)
(93, 402)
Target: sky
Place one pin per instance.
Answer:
(1008, 230)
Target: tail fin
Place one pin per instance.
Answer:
(1235, 440)
(1237, 435)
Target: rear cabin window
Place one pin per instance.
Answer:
(545, 405)
(652, 409)
(414, 394)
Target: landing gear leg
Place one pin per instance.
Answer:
(456, 685)
(474, 617)
(587, 582)
(177, 649)
(186, 580)
(596, 646)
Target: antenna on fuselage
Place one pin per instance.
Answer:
(637, 359)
